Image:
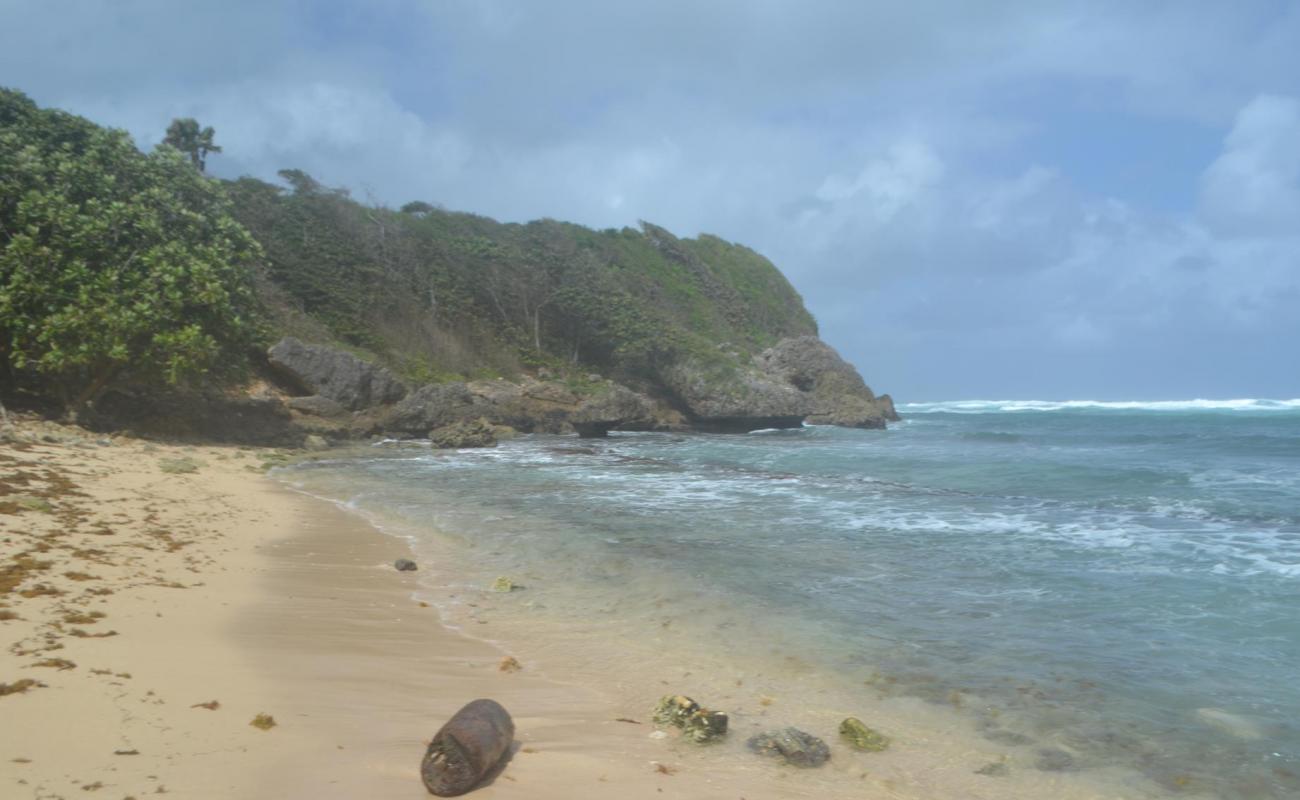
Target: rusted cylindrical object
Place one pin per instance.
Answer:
(467, 748)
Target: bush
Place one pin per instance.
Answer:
(115, 266)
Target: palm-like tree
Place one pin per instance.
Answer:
(186, 136)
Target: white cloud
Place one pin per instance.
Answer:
(888, 184)
(1253, 188)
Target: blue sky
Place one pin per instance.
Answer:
(1002, 199)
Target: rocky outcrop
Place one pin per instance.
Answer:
(800, 378)
(609, 409)
(429, 407)
(886, 405)
(458, 435)
(725, 399)
(836, 393)
(530, 405)
(342, 377)
(316, 405)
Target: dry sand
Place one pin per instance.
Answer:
(133, 596)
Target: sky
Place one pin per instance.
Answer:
(1047, 200)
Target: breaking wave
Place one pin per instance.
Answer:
(1004, 406)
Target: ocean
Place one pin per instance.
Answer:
(1089, 587)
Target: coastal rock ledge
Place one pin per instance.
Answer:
(836, 392)
(334, 375)
(801, 378)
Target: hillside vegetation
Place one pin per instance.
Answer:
(439, 293)
(121, 270)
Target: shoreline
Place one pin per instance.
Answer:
(225, 585)
(937, 749)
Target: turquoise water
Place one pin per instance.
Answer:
(1120, 581)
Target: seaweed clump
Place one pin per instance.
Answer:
(178, 466)
(83, 618)
(697, 723)
(264, 722)
(860, 737)
(19, 686)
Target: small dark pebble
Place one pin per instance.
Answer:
(405, 565)
(995, 769)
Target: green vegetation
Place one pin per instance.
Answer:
(179, 466)
(115, 266)
(120, 268)
(440, 294)
(186, 136)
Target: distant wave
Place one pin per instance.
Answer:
(1001, 406)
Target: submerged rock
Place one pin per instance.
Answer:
(860, 737)
(1231, 724)
(1051, 759)
(314, 442)
(1007, 737)
(792, 746)
(698, 724)
(405, 565)
(504, 584)
(994, 769)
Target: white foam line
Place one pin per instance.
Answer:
(999, 406)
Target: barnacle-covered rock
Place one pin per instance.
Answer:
(792, 746)
(698, 724)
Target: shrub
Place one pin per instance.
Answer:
(115, 266)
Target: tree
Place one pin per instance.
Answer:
(301, 182)
(418, 208)
(185, 135)
(115, 266)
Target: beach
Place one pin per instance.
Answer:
(172, 609)
(171, 595)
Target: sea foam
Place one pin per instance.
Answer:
(1004, 406)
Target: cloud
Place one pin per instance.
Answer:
(1053, 199)
(1253, 188)
(889, 183)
